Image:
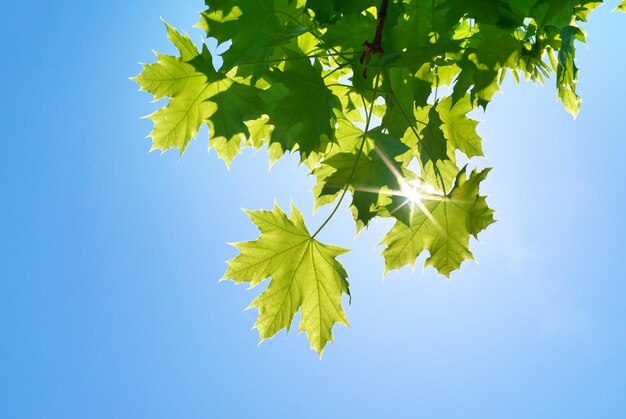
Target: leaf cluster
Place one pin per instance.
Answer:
(385, 119)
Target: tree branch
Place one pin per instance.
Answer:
(378, 38)
(375, 47)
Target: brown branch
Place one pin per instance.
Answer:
(382, 15)
(375, 47)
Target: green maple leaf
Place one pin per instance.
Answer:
(305, 275)
(567, 72)
(583, 8)
(260, 135)
(442, 227)
(433, 144)
(327, 10)
(221, 20)
(432, 149)
(300, 107)
(199, 95)
(258, 29)
(176, 124)
(552, 12)
(236, 105)
(348, 34)
(405, 89)
(324, 10)
(422, 25)
(458, 128)
(485, 56)
(494, 12)
(621, 7)
(366, 173)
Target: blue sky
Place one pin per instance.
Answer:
(111, 255)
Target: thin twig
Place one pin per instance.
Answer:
(356, 161)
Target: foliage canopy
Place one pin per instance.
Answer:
(359, 90)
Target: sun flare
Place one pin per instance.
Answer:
(416, 191)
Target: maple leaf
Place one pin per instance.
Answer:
(442, 226)
(189, 89)
(458, 128)
(305, 275)
(494, 12)
(199, 95)
(324, 10)
(300, 107)
(405, 89)
(621, 7)
(481, 65)
(432, 149)
(257, 29)
(432, 146)
(236, 104)
(366, 172)
(327, 10)
(348, 34)
(567, 72)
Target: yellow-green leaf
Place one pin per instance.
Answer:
(441, 225)
(305, 275)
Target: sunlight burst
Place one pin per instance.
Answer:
(417, 191)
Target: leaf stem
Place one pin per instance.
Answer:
(333, 71)
(356, 161)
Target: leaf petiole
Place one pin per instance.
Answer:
(356, 161)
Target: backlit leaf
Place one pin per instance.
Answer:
(441, 225)
(305, 276)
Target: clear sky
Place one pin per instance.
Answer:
(110, 255)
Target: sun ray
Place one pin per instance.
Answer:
(388, 163)
(416, 193)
